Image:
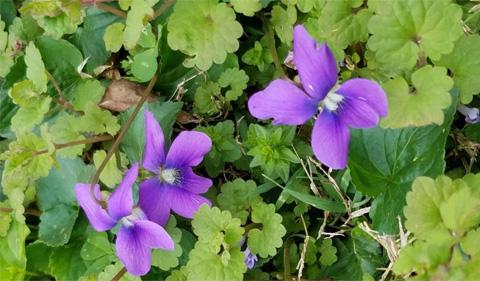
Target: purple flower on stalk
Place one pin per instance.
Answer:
(174, 186)
(250, 259)
(357, 103)
(137, 235)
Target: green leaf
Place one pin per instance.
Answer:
(384, 162)
(224, 149)
(270, 148)
(246, 7)
(113, 42)
(464, 64)
(469, 243)
(139, 11)
(87, 93)
(112, 270)
(35, 68)
(461, 211)
(236, 80)
(208, 99)
(216, 265)
(55, 17)
(38, 256)
(97, 252)
(98, 121)
(341, 23)
(259, 55)
(419, 28)
(424, 104)
(193, 26)
(61, 58)
(283, 21)
(328, 253)
(422, 212)
(166, 260)
(215, 227)
(64, 130)
(237, 197)
(134, 140)
(357, 256)
(12, 252)
(7, 11)
(56, 199)
(65, 262)
(145, 65)
(264, 241)
(111, 175)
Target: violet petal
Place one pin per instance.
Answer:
(367, 91)
(154, 152)
(97, 216)
(316, 64)
(195, 183)
(330, 140)
(153, 201)
(120, 203)
(185, 203)
(284, 102)
(188, 149)
(153, 235)
(132, 252)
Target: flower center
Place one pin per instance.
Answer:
(137, 214)
(171, 176)
(331, 101)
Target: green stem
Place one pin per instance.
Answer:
(94, 139)
(165, 5)
(121, 134)
(273, 50)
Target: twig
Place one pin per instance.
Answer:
(165, 5)
(110, 9)
(335, 186)
(122, 133)
(62, 100)
(94, 139)
(286, 260)
(119, 274)
(301, 262)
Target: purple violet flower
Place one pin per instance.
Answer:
(137, 235)
(175, 186)
(357, 103)
(472, 114)
(250, 259)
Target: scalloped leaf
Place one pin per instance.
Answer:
(424, 105)
(194, 25)
(237, 197)
(464, 63)
(266, 240)
(419, 28)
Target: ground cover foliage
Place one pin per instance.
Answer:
(82, 82)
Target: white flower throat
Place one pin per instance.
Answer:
(170, 176)
(331, 101)
(137, 214)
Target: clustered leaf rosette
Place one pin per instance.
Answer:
(137, 235)
(174, 185)
(357, 103)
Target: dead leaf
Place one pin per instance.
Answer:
(185, 118)
(122, 94)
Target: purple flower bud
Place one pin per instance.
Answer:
(472, 114)
(250, 259)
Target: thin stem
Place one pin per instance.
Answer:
(286, 260)
(110, 9)
(119, 274)
(94, 139)
(62, 100)
(273, 49)
(251, 226)
(122, 133)
(165, 5)
(32, 212)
